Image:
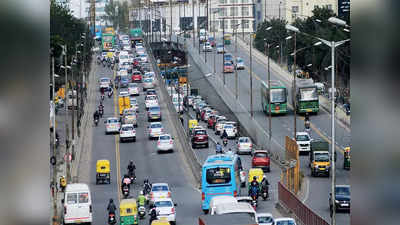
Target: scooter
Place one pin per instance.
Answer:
(110, 93)
(96, 122)
(142, 212)
(254, 201)
(225, 141)
(125, 191)
(132, 176)
(102, 97)
(264, 192)
(111, 219)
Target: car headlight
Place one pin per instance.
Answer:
(316, 166)
(336, 201)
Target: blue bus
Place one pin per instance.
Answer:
(220, 176)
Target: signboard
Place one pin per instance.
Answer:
(344, 9)
(187, 23)
(202, 22)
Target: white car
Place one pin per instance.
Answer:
(239, 64)
(112, 125)
(303, 141)
(133, 89)
(127, 132)
(230, 130)
(166, 209)
(207, 47)
(151, 100)
(264, 219)
(219, 126)
(104, 82)
(244, 144)
(122, 72)
(284, 221)
(148, 83)
(155, 130)
(220, 48)
(142, 57)
(178, 107)
(165, 143)
(159, 190)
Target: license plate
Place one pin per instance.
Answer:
(321, 168)
(308, 110)
(78, 221)
(345, 204)
(162, 196)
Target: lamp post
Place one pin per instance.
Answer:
(215, 10)
(251, 76)
(236, 74)
(267, 45)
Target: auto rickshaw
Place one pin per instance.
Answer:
(227, 39)
(258, 172)
(160, 222)
(192, 124)
(128, 213)
(346, 161)
(103, 171)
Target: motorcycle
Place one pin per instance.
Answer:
(96, 122)
(125, 191)
(225, 141)
(102, 97)
(111, 219)
(101, 112)
(132, 176)
(142, 212)
(254, 201)
(110, 93)
(265, 192)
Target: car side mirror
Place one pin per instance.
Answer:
(105, 121)
(175, 204)
(62, 201)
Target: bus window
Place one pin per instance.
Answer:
(308, 94)
(219, 175)
(278, 95)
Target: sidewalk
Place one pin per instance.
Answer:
(325, 103)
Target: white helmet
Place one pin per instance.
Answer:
(141, 192)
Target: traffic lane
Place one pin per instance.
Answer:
(103, 148)
(166, 167)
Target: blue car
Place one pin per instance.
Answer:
(124, 82)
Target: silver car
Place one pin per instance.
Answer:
(155, 130)
(112, 125)
(148, 83)
(244, 145)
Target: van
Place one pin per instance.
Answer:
(218, 200)
(77, 204)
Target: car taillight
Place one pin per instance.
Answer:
(162, 129)
(234, 193)
(150, 130)
(170, 142)
(65, 210)
(121, 132)
(238, 145)
(251, 145)
(169, 194)
(203, 196)
(151, 195)
(172, 210)
(158, 142)
(90, 208)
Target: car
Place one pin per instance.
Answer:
(230, 131)
(143, 57)
(133, 89)
(212, 41)
(189, 100)
(303, 140)
(166, 209)
(127, 132)
(154, 113)
(136, 76)
(151, 91)
(284, 221)
(228, 67)
(244, 145)
(211, 121)
(159, 191)
(239, 64)
(228, 57)
(150, 100)
(264, 219)
(129, 116)
(134, 104)
(199, 137)
(104, 83)
(155, 130)
(207, 47)
(150, 74)
(123, 83)
(219, 200)
(220, 48)
(342, 198)
(219, 125)
(122, 72)
(112, 125)
(148, 83)
(165, 143)
(261, 160)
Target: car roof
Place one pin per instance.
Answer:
(261, 151)
(112, 118)
(302, 133)
(163, 200)
(159, 184)
(127, 125)
(155, 123)
(283, 219)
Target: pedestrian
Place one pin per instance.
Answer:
(63, 183)
(181, 117)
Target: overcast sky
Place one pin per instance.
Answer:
(75, 5)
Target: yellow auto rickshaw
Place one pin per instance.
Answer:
(258, 172)
(161, 221)
(103, 171)
(192, 124)
(128, 213)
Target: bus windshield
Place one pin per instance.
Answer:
(219, 175)
(321, 157)
(308, 94)
(278, 95)
(107, 38)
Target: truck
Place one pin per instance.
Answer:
(227, 219)
(136, 36)
(320, 163)
(306, 96)
(123, 103)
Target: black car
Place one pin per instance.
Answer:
(342, 198)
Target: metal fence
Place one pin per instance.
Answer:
(303, 214)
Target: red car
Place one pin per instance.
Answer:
(261, 160)
(228, 67)
(136, 76)
(211, 121)
(199, 137)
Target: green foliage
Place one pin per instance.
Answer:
(118, 14)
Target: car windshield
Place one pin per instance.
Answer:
(133, 85)
(265, 219)
(112, 121)
(72, 198)
(321, 157)
(220, 46)
(159, 188)
(124, 79)
(127, 128)
(228, 64)
(164, 138)
(151, 97)
(342, 191)
(302, 138)
(239, 60)
(156, 125)
(218, 175)
(228, 126)
(123, 56)
(244, 140)
(285, 222)
(308, 94)
(163, 204)
(103, 80)
(260, 155)
(154, 109)
(148, 80)
(278, 95)
(200, 132)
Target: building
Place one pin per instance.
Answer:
(100, 13)
(289, 10)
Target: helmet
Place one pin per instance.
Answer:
(265, 176)
(217, 143)
(111, 200)
(130, 162)
(141, 192)
(255, 178)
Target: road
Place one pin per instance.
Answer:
(319, 188)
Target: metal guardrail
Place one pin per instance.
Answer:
(302, 213)
(193, 161)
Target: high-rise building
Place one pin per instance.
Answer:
(101, 16)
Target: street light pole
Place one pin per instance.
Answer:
(269, 105)
(223, 48)
(170, 15)
(251, 77)
(194, 32)
(66, 117)
(54, 141)
(236, 74)
(294, 89)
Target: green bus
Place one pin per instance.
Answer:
(306, 96)
(107, 41)
(278, 99)
(136, 36)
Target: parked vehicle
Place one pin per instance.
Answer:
(77, 204)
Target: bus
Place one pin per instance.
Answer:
(278, 99)
(136, 35)
(107, 41)
(306, 96)
(220, 175)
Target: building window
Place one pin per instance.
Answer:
(222, 12)
(232, 11)
(234, 1)
(245, 11)
(233, 23)
(244, 1)
(329, 6)
(222, 1)
(245, 24)
(295, 9)
(221, 24)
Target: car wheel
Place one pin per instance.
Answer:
(268, 170)
(134, 140)
(205, 211)
(97, 181)
(207, 145)
(106, 133)
(193, 146)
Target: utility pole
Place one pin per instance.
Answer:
(236, 74)
(54, 141)
(251, 77)
(333, 218)
(294, 89)
(198, 24)
(215, 40)
(270, 97)
(194, 32)
(223, 47)
(66, 117)
(170, 15)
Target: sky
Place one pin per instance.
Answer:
(75, 6)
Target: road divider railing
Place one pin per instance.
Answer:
(300, 211)
(183, 137)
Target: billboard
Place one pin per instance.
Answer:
(202, 22)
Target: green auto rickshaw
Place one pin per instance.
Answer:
(128, 213)
(346, 161)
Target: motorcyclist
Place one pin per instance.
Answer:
(153, 214)
(101, 109)
(111, 208)
(126, 180)
(147, 187)
(141, 199)
(229, 151)
(224, 134)
(264, 183)
(218, 148)
(63, 183)
(131, 168)
(96, 115)
(254, 187)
